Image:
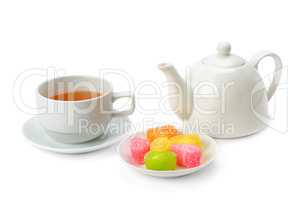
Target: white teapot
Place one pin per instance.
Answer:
(223, 95)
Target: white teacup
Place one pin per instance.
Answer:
(81, 120)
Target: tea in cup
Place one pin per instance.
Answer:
(77, 109)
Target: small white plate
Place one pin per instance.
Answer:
(37, 136)
(208, 155)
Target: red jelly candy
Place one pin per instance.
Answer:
(139, 147)
(187, 155)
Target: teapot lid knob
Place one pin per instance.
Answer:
(224, 48)
(223, 58)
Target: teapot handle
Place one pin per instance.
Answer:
(277, 71)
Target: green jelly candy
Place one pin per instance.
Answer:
(160, 160)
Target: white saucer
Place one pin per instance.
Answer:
(209, 153)
(37, 136)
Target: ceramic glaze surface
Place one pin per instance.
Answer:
(35, 134)
(208, 156)
(78, 121)
(225, 102)
(224, 96)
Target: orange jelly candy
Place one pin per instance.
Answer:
(163, 131)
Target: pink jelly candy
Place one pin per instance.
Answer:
(187, 155)
(139, 147)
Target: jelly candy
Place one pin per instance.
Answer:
(188, 155)
(160, 144)
(139, 147)
(168, 131)
(163, 131)
(152, 134)
(187, 139)
(160, 160)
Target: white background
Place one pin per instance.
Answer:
(81, 37)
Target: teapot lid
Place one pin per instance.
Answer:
(224, 58)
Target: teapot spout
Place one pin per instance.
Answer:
(180, 93)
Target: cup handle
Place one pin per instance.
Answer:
(277, 71)
(118, 95)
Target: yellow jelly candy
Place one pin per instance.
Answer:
(160, 144)
(187, 139)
